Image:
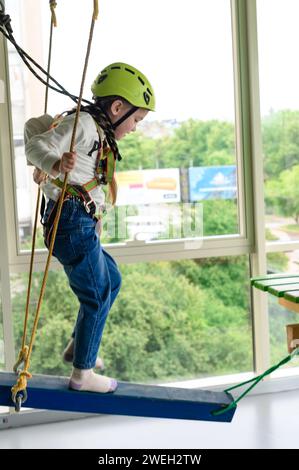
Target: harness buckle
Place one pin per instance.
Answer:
(87, 204)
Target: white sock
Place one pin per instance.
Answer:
(87, 380)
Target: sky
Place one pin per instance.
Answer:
(278, 54)
(184, 47)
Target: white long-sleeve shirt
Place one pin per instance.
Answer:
(44, 150)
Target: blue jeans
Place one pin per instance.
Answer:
(93, 276)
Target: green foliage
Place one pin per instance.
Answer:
(166, 324)
(39, 242)
(139, 151)
(283, 192)
(224, 277)
(198, 142)
(277, 262)
(281, 169)
(208, 143)
(220, 217)
(203, 143)
(280, 142)
(58, 313)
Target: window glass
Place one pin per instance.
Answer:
(181, 162)
(280, 317)
(3, 409)
(2, 358)
(171, 321)
(279, 74)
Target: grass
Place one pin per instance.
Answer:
(290, 228)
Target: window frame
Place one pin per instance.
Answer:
(137, 251)
(251, 240)
(169, 249)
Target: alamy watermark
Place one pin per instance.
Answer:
(153, 222)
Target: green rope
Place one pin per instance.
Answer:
(255, 381)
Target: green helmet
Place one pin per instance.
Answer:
(124, 80)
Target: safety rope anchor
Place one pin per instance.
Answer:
(21, 359)
(254, 381)
(19, 390)
(19, 399)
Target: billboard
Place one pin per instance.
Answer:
(148, 186)
(212, 182)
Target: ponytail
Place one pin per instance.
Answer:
(112, 191)
(99, 111)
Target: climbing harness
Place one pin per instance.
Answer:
(19, 393)
(105, 168)
(104, 174)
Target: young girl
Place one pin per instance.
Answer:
(122, 97)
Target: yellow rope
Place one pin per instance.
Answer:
(53, 23)
(21, 384)
(22, 353)
(95, 10)
(24, 348)
(53, 5)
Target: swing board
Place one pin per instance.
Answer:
(52, 393)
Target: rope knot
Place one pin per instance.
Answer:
(23, 353)
(5, 21)
(25, 375)
(21, 384)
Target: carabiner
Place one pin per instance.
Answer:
(19, 398)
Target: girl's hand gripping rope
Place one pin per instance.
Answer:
(39, 176)
(65, 164)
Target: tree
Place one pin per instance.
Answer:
(57, 317)
(137, 151)
(200, 143)
(220, 217)
(284, 192)
(172, 327)
(163, 326)
(280, 132)
(203, 143)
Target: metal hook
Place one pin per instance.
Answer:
(20, 397)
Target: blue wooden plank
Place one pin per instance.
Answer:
(52, 393)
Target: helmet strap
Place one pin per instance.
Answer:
(124, 117)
